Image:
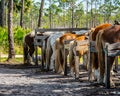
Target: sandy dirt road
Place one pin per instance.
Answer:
(16, 81)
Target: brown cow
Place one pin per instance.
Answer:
(28, 45)
(109, 35)
(59, 51)
(76, 52)
(92, 37)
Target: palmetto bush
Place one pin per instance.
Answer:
(3, 39)
(19, 34)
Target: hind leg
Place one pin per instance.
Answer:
(111, 60)
(72, 63)
(71, 59)
(52, 60)
(85, 60)
(77, 59)
(25, 51)
(48, 56)
(77, 56)
(57, 61)
(31, 51)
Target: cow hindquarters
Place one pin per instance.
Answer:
(25, 51)
(101, 56)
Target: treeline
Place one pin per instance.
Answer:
(28, 15)
(63, 13)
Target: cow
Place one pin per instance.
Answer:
(28, 46)
(60, 57)
(59, 51)
(92, 37)
(110, 35)
(75, 53)
(50, 50)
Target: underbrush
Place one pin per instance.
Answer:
(18, 34)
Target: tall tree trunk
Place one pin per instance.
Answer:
(40, 13)
(6, 16)
(11, 53)
(95, 15)
(99, 13)
(87, 13)
(110, 4)
(91, 13)
(21, 15)
(72, 17)
(104, 14)
(50, 15)
(2, 13)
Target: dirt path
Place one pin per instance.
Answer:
(31, 82)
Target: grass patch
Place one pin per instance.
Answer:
(12, 61)
(118, 60)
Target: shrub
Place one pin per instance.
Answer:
(19, 34)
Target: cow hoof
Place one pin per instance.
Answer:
(112, 84)
(72, 74)
(51, 70)
(62, 73)
(32, 63)
(76, 78)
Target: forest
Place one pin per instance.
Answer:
(19, 17)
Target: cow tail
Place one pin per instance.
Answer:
(71, 55)
(100, 52)
(57, 62)
(56, 43)
(94, 64)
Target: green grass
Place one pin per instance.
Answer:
(16, 60)
(118, 60)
